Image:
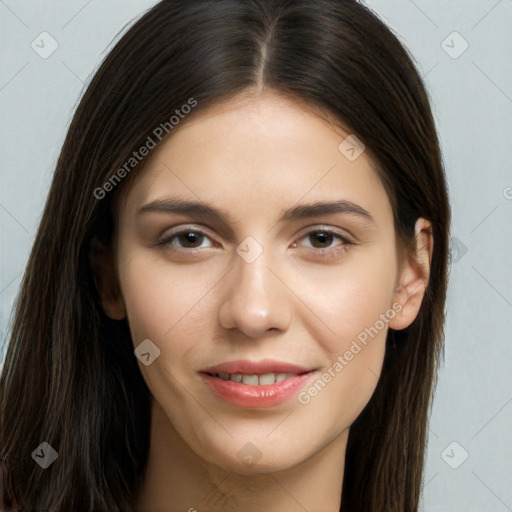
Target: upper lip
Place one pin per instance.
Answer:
(257, 367)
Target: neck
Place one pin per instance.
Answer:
(179, 480)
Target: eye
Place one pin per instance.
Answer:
(322, 239)
(186, 239)
(324, 243)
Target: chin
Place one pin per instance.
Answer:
(252, 458)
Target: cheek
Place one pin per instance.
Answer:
(349, 312)
(354, 357)
(172, 307)
(346, 300)
(168, 306)
(161, 299)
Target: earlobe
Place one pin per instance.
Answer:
(413, 277)
(106, 280)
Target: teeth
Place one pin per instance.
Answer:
(266, 379)
(252, 380)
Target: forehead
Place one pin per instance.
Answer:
(255, 152)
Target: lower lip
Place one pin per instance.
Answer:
(244, 395)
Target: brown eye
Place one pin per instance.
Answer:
(321, 239)
(190, 239)
(187, 239)
(324, 244)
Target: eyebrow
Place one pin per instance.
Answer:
(317, 209)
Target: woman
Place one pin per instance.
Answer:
(235, 299)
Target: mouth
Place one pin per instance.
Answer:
(253, 379)
(252, 384)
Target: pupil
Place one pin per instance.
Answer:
(322, 238)
(190, 239)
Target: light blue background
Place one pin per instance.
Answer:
(472, 100)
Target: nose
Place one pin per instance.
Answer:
(255, 299)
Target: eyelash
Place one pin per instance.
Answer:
(328, 253)
(333, 252)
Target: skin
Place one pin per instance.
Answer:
(254, 157)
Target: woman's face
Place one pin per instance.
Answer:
(252, 245)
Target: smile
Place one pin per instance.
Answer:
(266, 379)
(251, 384)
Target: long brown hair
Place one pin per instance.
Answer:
(70, 377)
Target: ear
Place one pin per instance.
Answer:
(105, 277)
(413, 276)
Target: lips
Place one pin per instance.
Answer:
(256, 384)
